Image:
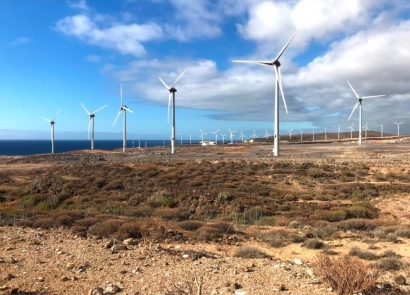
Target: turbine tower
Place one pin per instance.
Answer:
(290, 134)
(223, 138)
(181, 137)
(365, 129)
(231, 134)
(398, 127)
(338, 133)
(242, 136)
(125, 109)
(301, 135)
(216, 136)
(254, 135)
(172, 91)
(325, 132)
(91, 123)
(52, 130)
(313, 132)
(381, 131)
(351, 131)
(202, 135)
(278, 86)
(359, 102)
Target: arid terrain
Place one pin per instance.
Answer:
(225, 219)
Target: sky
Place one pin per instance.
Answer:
(57, 54)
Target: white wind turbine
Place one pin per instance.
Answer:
(381, 131)
(365, 130)
(189, 137)
(359, 102)
(301, 135)
(290, 134)
(398, 127)
(202, 136)
(267, 134)
(338, 133)
(91, 123)
(325, 132)
(52, 130)
(351, 131)
(313, 132)
(242, 136)
(253, 136)
(223, 138)
(231, 134)
(125, 109)
(181, 137)
(172, 91)
(278, 86)
(216, 136)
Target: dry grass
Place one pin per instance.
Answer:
(345, 275)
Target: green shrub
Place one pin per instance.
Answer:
(335, 216)
(295, 238)
(362, 210)
(224, 197)
(250, 252)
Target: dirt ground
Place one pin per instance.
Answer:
(57, 261)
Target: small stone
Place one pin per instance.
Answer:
(41, 279)
(112, 289)
(399, 279)
(10, 276)
(123, 271)
(2, 288)
(96, 291)
(185, 256)
(14, 291)
(130, 242)
(297, 261)
(70, 265)
(64, 279)
(240, 292)
(236, 286)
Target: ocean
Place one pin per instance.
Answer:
(33, 147)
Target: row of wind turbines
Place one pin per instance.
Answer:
(171, 99)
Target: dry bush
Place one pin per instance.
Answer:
(190, 225)
(44, 222)
(250, 252)
(345, 275)
(224, 227)
(388, 263)
(152, 231)
(366, 255)
(87, 222)
(105, 228)
(64, 220)
(313, 244)
(129, 230)
(207, 233)
(403, 233)
(356, 224)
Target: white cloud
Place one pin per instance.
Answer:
(81, 5)
(125, 38)
(20, 40)
(93, 58)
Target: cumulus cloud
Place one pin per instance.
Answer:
(21, 40)
(93, 58)
(81, 5)
(125, 38)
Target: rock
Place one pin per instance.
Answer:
(112, 289)
(64, 279)
(14, 291)
(310, 273)
(41, 279)
(118, 247)
(2, 288)
(185, 256)
(236, 286)
(96, 291)
(399, 279)
(240, 292)
(70, 265)
(130, 242)
(297, 261)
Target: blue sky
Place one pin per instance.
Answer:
(57, 54)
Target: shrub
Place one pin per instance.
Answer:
(366, 255)
(87, 222)
(64, 220)
(295, 238)
(356, 224)
(129, 230)
(313, 244)
(44, 222)
(294, 224)
(362, 210)
(224, 197)
(392, 237)
(335, 216)
(403, 233)
(345, 275)
(388, 263)
(104, 228)
(390, 253)
(207, 233)
(224, 227)
(250, 252)
(190, 225)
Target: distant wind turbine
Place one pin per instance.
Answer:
(266, 134)
(325, 132)
(313, 132)
(231, 134)
(398, 127)
(381, 131)
(301, 135)
(365, 130)
(52, 130)
(242, 136)
(216, 136)
(290, 134)
(351, 131)
(338, 133)
(359, 103)
(202, 135)
(172, 91)
(181, 137)
(253, 136)
(125, 109)
(91, 123)
(223, 138)
(278, 85)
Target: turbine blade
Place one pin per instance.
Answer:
(56, 115)
(178, 78)
(46, 119)
(355, 106)
(373, 96)
(278, 75)
(99, 109)
(166, 86)
(128, 110)
(169, 103)
(259, 62)
(117, 117)
(286, 46)
(357, 96)
(85, 109)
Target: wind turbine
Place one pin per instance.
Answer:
(398, 127)
(313, 132)
(242, 136)
(202, 135)
(381, 132)
(359, 102)
(216, 136)
(338, 133)
(181, 137)
(365, 130)
(231, 134)
(325, 132)
(52, 130)
(254, 135)
(351, 131)
(301, 135)
(91, 123)
(125, 109)
(189, 137)
(278, 86)
(266, 134)
(223, 138)
(172, 91)
(290, 134)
